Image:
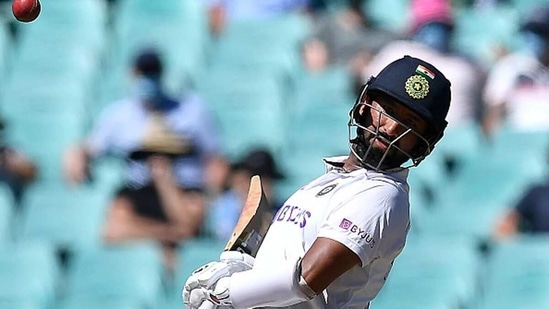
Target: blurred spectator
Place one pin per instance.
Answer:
(431, 31)
(348, 36)
(170, 146)
(529, 215)
(220, 12)
(517, 88)
(17, 170)
(226, 208)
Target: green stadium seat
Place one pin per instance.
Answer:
(121, 273)
(29, 275)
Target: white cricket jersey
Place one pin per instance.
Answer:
(367, 211)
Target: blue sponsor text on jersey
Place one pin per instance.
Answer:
(295, 214)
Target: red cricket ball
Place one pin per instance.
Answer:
(25, 10)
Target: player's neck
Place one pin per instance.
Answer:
(351, 164)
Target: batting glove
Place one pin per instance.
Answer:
(208, 286)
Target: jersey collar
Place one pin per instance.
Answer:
(336, 164)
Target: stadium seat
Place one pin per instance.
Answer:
(108, 173)
(29, 275)
(177, 28)
(103, 304)
(517, 274)
(117, 274)
(270, 44)
(191, 255)
(68, 23)
(44, 138)
(498, 24)
(388, 14)
(524, 7)
(195, 253)
(7, 212)
(53, 95)
(432, 272)
(69, 218)
(334, 86)
(6, 47)
(248, 108)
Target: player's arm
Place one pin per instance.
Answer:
(282, 284)
(325, 261)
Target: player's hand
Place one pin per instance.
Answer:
(210, 283)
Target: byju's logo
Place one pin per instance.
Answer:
(345, 224)
(348, 225)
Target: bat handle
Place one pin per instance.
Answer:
(207, 305)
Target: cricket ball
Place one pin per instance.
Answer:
(25, 10)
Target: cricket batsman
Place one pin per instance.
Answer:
(333, 242)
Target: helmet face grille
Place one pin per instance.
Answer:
(364, 132)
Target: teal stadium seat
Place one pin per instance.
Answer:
(103, 304)
(480, 32)
(316, 126)
(432, 272)
(69, 218)
(249, 109)
(68, 23)
(488, 183)
(44, 140)
(178, 28)
(525, 7)
(334, 86)
(517, 274)
(29, 275)
(191, 255)
(388, 14)
(7, 211)
(118, 274)
(6, 47)
(270, 44)
(195, 253)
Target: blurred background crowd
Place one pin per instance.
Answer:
(130, 130)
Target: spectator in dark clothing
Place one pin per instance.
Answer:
(530, 214)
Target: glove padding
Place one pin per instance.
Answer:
(210, 282)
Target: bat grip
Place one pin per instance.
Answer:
(207, 305)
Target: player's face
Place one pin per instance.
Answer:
(392, 132)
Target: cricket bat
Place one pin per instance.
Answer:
(254, 221)
(252, 225)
